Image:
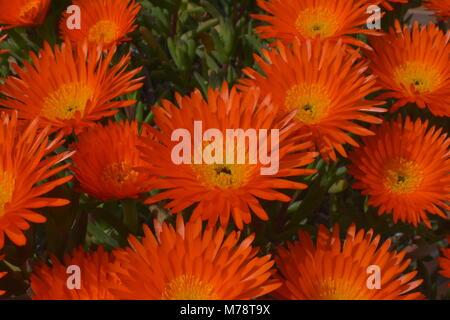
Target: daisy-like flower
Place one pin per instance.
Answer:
(107, 161)
(324, 85)
(231, 182)
(93, 269)
(307, 19)
(441, 7)
(404, 170)
(23, 13)
(103, 22)
(191, 263)
(25, 160)
(69, 88)
(413, 66)
(444, 262)
(359, 268)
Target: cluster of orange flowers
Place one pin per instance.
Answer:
(314, 87)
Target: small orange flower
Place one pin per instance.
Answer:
(107, 161)
(335, 270)
(228, 186)
(69, 88)
(51, 283)
(308, 19)
(23, 13)
(25, 161)
(104, 22)
(441, 7)
(413, 66)
(192, 264)
(444, 262)
(326, 87)
(404, 170)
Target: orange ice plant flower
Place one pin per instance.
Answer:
(69, 88)
(26, 159)
(404, 170)
(324, 85)
(96, 276)
(107, 161)
(441, 7)
(224, 188)
(103, 22)
(413, 66)
(23, 13)
(192, 263)
(307, 19)
(444, 262)
(331, 269)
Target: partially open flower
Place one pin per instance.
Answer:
(359, 268)
(107, 162)
(192, 263)
(23, 13)
(82, 276)
(26, 162)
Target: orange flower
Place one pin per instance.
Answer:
(192, 264)
(413, 66)
(227, 185)
(107, 161)
(23, 13)
(404, 170)
(104, 22)
(308, 19)
(51, 283)
(326, 87)
(25, 161)
(332, 270)
(445, 262)
(69, 88)
(441, 7)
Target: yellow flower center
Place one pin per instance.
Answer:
(403, 176)
(29, 10)
(418, 74)
(188, 287)
(66, 101)
(116, 174)
(310, 100)
(7, 183)
(221, 175)
(104, 31)
(314, 22)
(330, 289)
